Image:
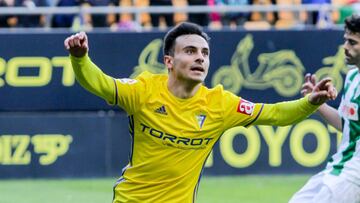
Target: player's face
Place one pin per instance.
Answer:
(190, 62)
(352, 48)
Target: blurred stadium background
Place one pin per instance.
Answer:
(59, 143)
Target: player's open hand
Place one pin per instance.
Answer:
(77, 44)
(321, 91)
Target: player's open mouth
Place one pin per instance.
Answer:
(347, 57)
(197, 69)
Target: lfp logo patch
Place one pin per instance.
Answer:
(245, 107)
(128, 81)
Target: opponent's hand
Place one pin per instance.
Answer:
(321, 91)
(77, 44)
(309, 84)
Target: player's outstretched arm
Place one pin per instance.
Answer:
(328, 113)
(290, 112)
(86, 72)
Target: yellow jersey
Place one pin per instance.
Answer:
(172, 137)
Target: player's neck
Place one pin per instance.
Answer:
(181, 89)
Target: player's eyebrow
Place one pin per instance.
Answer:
(351, 40)
(194, 47)
(190, 47)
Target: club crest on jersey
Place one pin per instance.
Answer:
(245, 107)
(128, 81)
(200, 119)
(349, 110)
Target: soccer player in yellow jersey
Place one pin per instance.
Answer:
(174, 119)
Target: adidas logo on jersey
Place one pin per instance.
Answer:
(161, 110)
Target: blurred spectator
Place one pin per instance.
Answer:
(64, 20)
(267, 17)
(276, 14)
(214, 17)
(31, 20)
(346, 9)
(313, 16)
(155, 17)
(100, 20)
(233, 18)
(7, 20)
(198, 18)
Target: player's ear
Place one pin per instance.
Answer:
(168, 61)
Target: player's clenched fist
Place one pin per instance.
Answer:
(77, 44)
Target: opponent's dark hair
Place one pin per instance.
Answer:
(184, 28)
(352, 23)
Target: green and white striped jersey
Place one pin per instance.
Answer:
(346, 161)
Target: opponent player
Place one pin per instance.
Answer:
(340, 181)
(174, 119)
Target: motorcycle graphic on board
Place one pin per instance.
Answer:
(281, 70)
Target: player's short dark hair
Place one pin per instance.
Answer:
(184, 28)
(352, 23)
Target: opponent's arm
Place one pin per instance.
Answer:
(331, 116)
(86, 72)
(328, 113)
